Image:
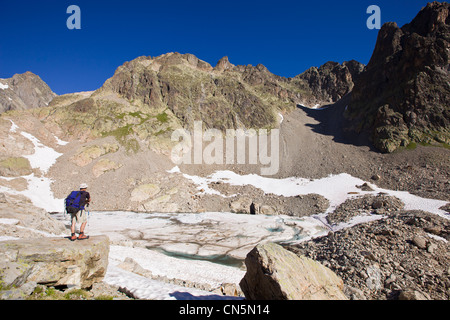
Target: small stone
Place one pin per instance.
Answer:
(377, 204)
(373, 280)
(376, 177)
(390, 280)
(410, 294)
(354, 293)
(365, 187)
(420, 242)
(431, 248)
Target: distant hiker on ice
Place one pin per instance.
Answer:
(75, 205)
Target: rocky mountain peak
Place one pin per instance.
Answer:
(190, 90)
(403, 95)
(332, 80)
(224, 64)
(24, 91)
(432, 19)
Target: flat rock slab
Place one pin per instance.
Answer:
(54, 261)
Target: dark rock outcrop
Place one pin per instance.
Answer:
(403, 95)
(332, 81)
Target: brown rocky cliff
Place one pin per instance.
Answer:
(403, 96)
(24, 91)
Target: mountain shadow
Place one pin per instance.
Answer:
(332, 122)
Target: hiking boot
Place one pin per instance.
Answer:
(82, 236)
(73, 237)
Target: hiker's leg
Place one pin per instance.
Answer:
(83, 225)
(83, 220)
(74, 222)
(82, 236)
(73, 237)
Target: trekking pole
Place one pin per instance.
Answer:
(89, 215)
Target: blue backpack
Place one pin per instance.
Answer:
(73, 202)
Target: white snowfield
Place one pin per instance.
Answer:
(335, 188)
(39, 188)
(205, 247)
(3, 86)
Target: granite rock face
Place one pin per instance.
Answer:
(24, 91)
(54, 261)
(274, 273)
(402, 97)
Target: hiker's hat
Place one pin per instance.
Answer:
(83, 186)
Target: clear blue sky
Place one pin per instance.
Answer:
(287, 37)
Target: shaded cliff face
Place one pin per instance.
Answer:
(403, 96)
(24, 91)
(332, 81)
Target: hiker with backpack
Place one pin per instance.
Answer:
(76, 204)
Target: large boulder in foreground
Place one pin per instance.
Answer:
(53, 262)
(274, 273)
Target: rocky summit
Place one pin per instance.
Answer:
(24, 91)
(332, 81)
(402, 97)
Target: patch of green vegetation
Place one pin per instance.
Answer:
(163, 131)
(425, 144)
(136, 114)
(76, 294)
(411, 146)
(46, 293)
(120, 133)
(132, 146)
(50, 293)
(104, 297)
(162, 117)
(15, 163)
(122, 137)
(4, 286)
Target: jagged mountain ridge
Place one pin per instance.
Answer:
(225, 96)
(332, 81)
(403, 96)
(148, 98)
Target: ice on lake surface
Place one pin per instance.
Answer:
(220, 236)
